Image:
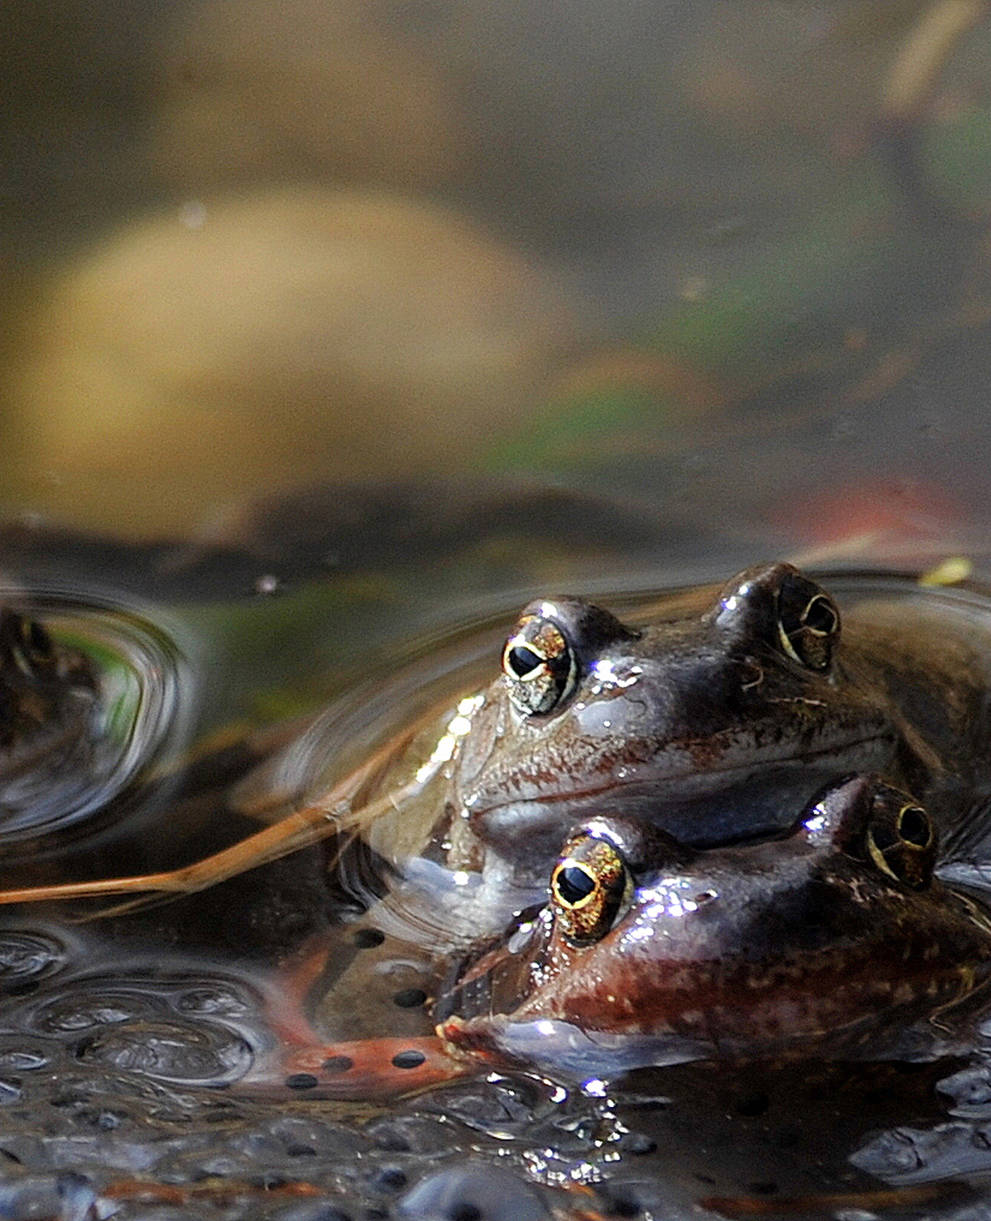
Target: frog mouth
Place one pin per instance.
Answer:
(699, 759)
(889, 1022)
(701, 803)
(830, 1003)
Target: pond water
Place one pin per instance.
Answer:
(338, 330)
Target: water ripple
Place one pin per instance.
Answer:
(28, 956)
(179, 1031)
(140, 717)
(173, 1052)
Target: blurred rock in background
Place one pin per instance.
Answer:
(268, 341)
(311, 89)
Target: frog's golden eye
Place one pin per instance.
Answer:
(901, 839)
(589, 886)
(539, 665)
(808, 622)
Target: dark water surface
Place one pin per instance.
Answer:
(125, 1040)
(336, 330)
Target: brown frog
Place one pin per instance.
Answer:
(713, 718)
(829, 941)
(835, 940)
(715, 725)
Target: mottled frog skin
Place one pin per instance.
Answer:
(835, 940)
(827, 941)
(715, 724)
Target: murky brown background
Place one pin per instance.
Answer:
(726, 260)
(399, 309)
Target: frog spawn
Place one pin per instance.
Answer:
(352, 1010)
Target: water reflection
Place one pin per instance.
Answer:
(128, 712)
(119, 1035)
(586, 296)
(661, 251)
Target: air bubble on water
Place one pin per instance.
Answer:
(267, 583)
(192, 214)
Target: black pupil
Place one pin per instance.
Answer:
(820, 616)
(523, 661)
(883, 835)
(574, 884)
(914, 826)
